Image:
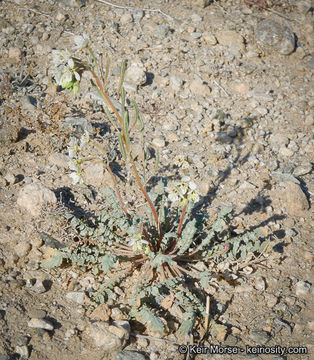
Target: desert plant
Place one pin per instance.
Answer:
(172, 248)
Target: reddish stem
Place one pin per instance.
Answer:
(115, 185)
(172, 246)
(101, 88)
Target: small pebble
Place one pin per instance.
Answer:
(161, 31)
(60, 17)
(76, 296)
(260, 283)
(23, 351)
(303, 169)
(159, 142)
(126, 19)
(274, 34)
(260, 337)
(22, 249)
(15, 54)
(138, 15)
(37, 313)
(176, 83)
(40, 324)
(302, 288)
(39, 286)
(130, 355)
(29, 102)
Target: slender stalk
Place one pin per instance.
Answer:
(181, 220)
(127, 145)
(101, 88)
(172, 246)
(115, 185)
(137, 177)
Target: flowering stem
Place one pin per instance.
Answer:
(172, 246)
(181, 220)
(117, 190)
(137, 177)
(101, 88)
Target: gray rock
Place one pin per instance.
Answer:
(29, 102)
(159, 142)
(5, 357)
(51, 241)
(276, 35)
(37, 313)
(196, 35)
(302, 288)
(196, 18)
(260, 337)
(76, 296)
(176, 83)
(40, 324)
(73, 3)
(295, 199)
(23, 351)
(279, 177)
(77, 124)
(304, 6)
(303, 169)
(126, 19)
(11, 178)
(201, 3)
(138, 15)
(230, 38)
(33, 197)
(130, 355)
(135, 74)
(209, 38)
(22, 340)
(161, 31)
(310, 62)
(39, 286)
(223, 138)
(109, 337)
(59, 160)
(22, 248)
(128, 87)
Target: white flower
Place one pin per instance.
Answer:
(81, 41)
(173, 193)
(193, 196)
(192, 185)
(183, 185)
(178, 160)
(60, 57)
(63, 76)
(138, 244)
(183, 190)
(77, 76)
(132, 241)
(71, 63)
(185, 165)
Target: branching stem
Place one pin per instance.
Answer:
(137, 177)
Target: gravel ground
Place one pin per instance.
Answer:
(225, 84)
